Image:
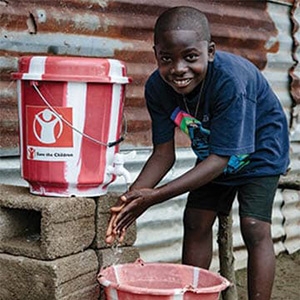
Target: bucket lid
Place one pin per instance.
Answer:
(78, 69)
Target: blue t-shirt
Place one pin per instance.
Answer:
(239, 116)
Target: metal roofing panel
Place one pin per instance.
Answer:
(279, 63)
(295, 70)
(291, 224)
(123, 30)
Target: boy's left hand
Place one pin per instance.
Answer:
(128, 208)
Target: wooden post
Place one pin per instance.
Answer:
(226, 257)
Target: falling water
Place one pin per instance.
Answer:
(117, 252)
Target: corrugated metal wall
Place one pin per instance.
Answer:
(258, 30)
(291, 198)
(295, 70)
(119, 29)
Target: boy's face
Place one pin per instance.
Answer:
(183, 59)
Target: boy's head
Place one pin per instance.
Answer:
(182, 18)
(183, 48)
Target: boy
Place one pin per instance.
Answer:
(238, 131)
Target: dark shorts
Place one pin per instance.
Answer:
(255, 197)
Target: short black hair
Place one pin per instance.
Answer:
(182, 18)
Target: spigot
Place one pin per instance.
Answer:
(118, 168)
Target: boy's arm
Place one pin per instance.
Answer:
(201, 174)
(156, 167)
(137, 201)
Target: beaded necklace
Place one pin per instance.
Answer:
(198, 101)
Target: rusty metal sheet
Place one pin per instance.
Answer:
(291, 212)
(121, 29)
(295, 70)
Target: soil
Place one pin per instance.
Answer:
(287, 279)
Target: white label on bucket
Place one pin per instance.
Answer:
(48, 138)
(49, 154)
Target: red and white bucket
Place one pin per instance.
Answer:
(160, 281)
(70, 114)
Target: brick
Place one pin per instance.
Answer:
(121, 255)
(72, 277)
(89, 293)
(103, 204)
(44, 227)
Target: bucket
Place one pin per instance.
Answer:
(70, 115)
(160, 281)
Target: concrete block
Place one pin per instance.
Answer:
(103, 204)
(72, 277)
(44, 227)
(116, 256)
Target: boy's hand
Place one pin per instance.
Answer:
(111, 234)
(136, 203)
(127, 209)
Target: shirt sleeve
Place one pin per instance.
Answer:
(157, 103)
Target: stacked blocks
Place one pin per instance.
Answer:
(44, 227)
(70, 277)
(53, 248)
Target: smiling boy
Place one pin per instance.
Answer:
(238, 132)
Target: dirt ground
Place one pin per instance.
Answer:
(287, 280)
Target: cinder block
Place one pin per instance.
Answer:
(104, 203)
(116, 256)
(44, 227)
(72, 277)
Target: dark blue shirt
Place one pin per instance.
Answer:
(240, 110)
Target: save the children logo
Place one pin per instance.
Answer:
(46, 121)
(49, 133)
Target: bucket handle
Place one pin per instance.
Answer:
(140, 262)
(109, 144)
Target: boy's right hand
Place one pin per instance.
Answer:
(111, 234)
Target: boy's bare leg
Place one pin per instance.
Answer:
(261, 258)
(197, 240)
